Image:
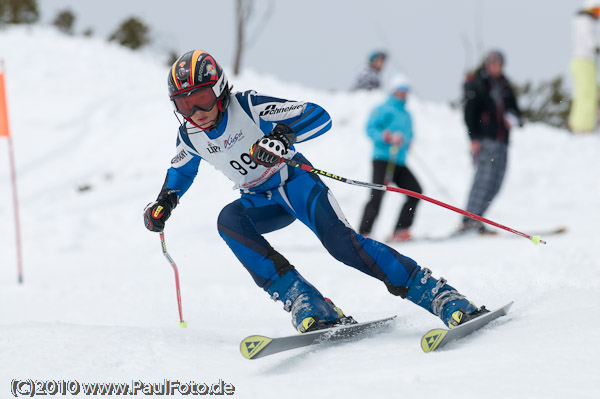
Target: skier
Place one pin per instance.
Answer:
(245, 135)
(390, 128)
(368, 78)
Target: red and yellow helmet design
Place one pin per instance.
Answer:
(196, 69)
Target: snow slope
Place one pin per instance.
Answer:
(94, 134)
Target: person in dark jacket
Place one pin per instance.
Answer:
(490, 111)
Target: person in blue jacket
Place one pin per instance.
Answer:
(390, 128)
(246, 136)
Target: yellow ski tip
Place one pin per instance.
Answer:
(432, 339)
(253, 344)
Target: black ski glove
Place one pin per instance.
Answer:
(269, 150)
(156, 213)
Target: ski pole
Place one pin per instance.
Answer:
(391, 165)
(535, 239)
(182, 323)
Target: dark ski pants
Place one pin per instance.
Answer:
(403, 178)
(491, 167)
(306, 198)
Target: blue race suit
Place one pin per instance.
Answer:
(272, 198)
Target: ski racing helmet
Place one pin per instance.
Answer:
(197, 82)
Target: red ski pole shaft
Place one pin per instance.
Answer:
(182, 323)
(535, 239)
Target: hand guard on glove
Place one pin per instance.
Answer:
(156, 213)
(269, 150)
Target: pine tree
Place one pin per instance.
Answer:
(18, 12)
(64, 21)
(549, 102)
(132, 33)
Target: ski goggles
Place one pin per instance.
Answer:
(203, 99)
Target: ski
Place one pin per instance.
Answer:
(257, 346)
(447, 237)
(552, 232)
(440, 337)
(458, 235)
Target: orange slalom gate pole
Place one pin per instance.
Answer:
(5, 132)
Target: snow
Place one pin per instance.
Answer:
(93, 135)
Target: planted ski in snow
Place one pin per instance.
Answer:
(439, 337)
(256, 346)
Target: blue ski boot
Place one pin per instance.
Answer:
(310, 310)
(442, 299)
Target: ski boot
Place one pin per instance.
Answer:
(470, 226)
(441, 299)
(402, 235)
(310, 310)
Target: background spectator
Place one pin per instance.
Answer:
(490, 111)
(390, 128)
(368, 78)
(584, 109)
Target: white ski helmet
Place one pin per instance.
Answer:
(399, 82)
